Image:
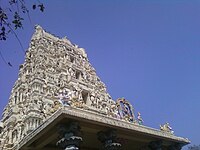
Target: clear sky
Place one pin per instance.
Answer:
(147, 51)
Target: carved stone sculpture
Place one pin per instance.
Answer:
(140, 120)
(125, 110)
(166, 128)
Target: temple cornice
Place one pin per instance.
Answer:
(96, 118)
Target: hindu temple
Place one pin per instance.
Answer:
(59, 103)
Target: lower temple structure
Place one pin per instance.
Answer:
(59, 103)
(73, 128)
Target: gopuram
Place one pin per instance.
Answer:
(59, 103)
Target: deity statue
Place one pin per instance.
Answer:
(140, 120)
(63, 98)
(125, 110)
(166, 128)
(47, 109)
(39, 32)
(82, 51)
(92, 99)
(114, 111)
(71, 72)
(56, 106)
(76, 97)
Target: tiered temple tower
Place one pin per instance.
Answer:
(56, 75)
(54, 69)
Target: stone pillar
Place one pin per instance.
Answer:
(155, 145)
(109, 140)
(70, 136)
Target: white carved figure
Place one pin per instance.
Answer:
(92, 99)
(114, 111)
(166, 128)
(47, 109)
(140, 120)
(63, 98)
(38, 33)
(71, 72)
(82, 50)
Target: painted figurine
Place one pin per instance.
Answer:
(140, 121)
(166, 127)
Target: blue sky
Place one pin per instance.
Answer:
(144, 50)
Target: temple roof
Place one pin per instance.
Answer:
(132, 133)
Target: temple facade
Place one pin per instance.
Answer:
(59, 102)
